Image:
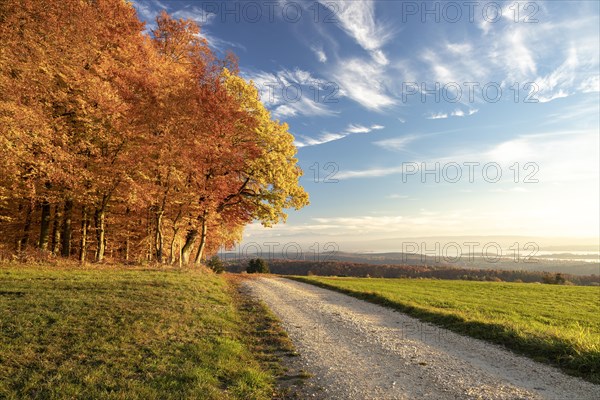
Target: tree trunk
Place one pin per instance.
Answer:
(158, 237)
(175, 229)
(180, 254)
(56, 230)
(67, 231)
(149, 226)
(172, 250)
(17, 238)
(84, 233)
(127, 248)
(45, 226)
(99, 218)
(186, 250)
(202, 244)
(26, 227)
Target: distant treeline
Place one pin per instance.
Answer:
(336, 268)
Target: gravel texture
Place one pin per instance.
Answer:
(358, 350)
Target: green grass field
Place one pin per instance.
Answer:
(556, 324)
(126, 334)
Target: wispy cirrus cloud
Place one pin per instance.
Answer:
(517, 55)
(560, 55)
(373, 172)
(196, 14)
(563, 80)
(461, 113)
(356, 128)
(438, 116)
(363, 79)
(292, 93)
(357, 19)
(397, 144)
(327, 137)
(455, 113)
(561, 156)
(363, 82)
(319, 53)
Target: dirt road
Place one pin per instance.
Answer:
(358, 350)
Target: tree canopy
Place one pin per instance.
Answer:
(130, 145)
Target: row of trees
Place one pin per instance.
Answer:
(343, 268)
(132, 145)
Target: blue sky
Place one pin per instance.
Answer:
(499, 101)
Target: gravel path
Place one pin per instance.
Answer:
(358, 350)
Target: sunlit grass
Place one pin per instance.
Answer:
(123, 334)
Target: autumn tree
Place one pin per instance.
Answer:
(129, 141)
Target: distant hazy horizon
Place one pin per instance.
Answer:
(423, 245)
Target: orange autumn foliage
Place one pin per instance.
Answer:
(133, 146)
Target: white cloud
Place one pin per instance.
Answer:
(397, 224)
(563, 156)
(197, 14)
(320, 53)
(512, 53)
(582, 112)
(303, 106)
(380, 57)
(455, 113)
(552, 85)
(355, 128)
(327, 137)
(363, 82)
(485, 26)
(461, 113)
(357, 19)
(441, 73)
(552, 96)
(590, 85)
(518, 54)
(352, 128)
(372, 172)
(396, 144)
(459, 49)
(454, 63)
(291, 93)
(566, 79)
(438, 116)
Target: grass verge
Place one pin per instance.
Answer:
(268, 341)
(549, 323)
(118, 333)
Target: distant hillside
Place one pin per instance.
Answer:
(563, 263)
(347, 268)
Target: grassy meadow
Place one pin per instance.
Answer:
(118, 333)
(550, 323)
